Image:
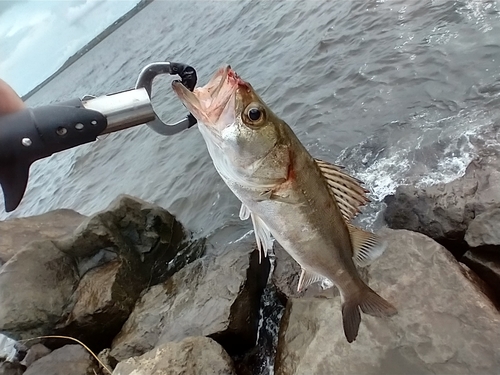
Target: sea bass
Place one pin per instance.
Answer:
(304, 203)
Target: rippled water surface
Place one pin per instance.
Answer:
(397, 91)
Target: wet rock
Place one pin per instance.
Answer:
(9, 368)
(34, 353)
(484, 230)
(70, 359)
(216, 296)
(35, 287)
(445, 323)
(103, 301)
(17, 233)
(191, 356)
(120, 252)
(85, 284)
(444, 211)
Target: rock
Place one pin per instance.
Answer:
(36, 352)
(35, 287)
(17, 233)
(9, 368)
(106, 359)
(104, 299)
(133, 227)
(70, 359)
(486, 264)
(445, 323)
(216, 296)
(484, 229)
(121, 251)
(191, 356)
(85, 284)
(444, 211)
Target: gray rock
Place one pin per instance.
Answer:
(444, 211)
(445, 323)
(85, 284)
(103, 301)
(36, 285)
(34, 353)
(70, 359)
(15, 234)
(484, 229)
(134, 228)
(216, 296)
(9, 368)
(191, 356)
(121, 251)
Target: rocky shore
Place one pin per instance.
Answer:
(146, 296)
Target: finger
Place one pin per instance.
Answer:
(9, 100)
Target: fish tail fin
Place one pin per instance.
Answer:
(370, 303)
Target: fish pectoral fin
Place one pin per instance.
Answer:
(347, 190)
(244, 212)
(263, 235)
(366, 246)
(307, 278)
(273, 195)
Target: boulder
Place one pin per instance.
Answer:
(120, 252)
(9, 368)
(70, 359)
(85, 284)
(484, 230)
(216, 296)
(191, 356)
(445, 324)
(445, 210)
(15, 234)
(34, 353)
(36, 285)
(103, 301)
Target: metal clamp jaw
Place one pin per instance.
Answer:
(129, 108)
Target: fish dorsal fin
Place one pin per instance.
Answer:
(263, 235)
(347, 190)
(307, 278)
(366, 246)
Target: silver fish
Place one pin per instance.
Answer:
(304, 203)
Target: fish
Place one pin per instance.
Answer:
(305, 204)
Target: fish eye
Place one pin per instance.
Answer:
(254, 114)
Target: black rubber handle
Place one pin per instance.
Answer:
(36, 133)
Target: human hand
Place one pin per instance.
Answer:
(10, 102)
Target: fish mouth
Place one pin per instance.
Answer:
(213, 105)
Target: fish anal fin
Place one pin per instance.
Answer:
(346, 190)
(370, 303)
(366, 246)
(307, 278)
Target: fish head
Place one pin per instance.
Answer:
(231, 117)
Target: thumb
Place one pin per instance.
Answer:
(9, 100)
